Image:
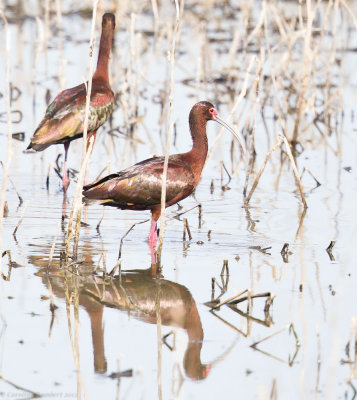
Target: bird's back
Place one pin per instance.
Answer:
(64, 117)
(139, 186)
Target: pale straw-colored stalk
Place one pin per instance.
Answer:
(61, 61)
(155, 11)
(9, 151)
(171, 55)
(77, 201)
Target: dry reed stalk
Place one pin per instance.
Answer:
(77, 201)
(250, 113)
(9, 151)
(277, 143)
(61, 61)
(100, 221)
(286, 327)
(186, 211)
(133, 68)
(350, 12)
(21, 218)
(171, 57)
(186, 229)
(31, 394)
(38, 48)
(232, 54)
(130, 94)
(155, 11)
(47, 25)
(228, 300)
(240, 97)
(14, 186)
(296, 174)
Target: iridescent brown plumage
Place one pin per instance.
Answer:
(64, 117)
(139, 186)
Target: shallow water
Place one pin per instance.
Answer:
(160, 332)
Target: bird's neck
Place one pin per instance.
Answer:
(193, 323)
(192, 358)
(199, 150)
(105, 46)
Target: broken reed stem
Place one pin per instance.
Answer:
(278, 140)
(77, 201)
(229, 300)
(171, 57)
(186, 227)
(21, 218)
(199, 206)
(123, 237)
(118, 264)
(271, 335)
(251, 296)
(307, 66)
(297, 178)
(32, 395)
(14, 186)
(100, 221)
(9, 129)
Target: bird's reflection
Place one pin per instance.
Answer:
(143, 294)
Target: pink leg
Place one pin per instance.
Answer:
(65, 179)
(153, 260)
(153, 234)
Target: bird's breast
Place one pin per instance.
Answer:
(97, 115)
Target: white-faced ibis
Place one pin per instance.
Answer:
(139, 186)
(64, 117)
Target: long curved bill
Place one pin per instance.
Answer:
(238, 136)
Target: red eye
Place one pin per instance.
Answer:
(211, 110)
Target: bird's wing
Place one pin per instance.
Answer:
(66, 101)
(140, 186)
(64, 117)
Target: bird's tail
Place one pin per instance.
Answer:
(35, 147)
(88, 202)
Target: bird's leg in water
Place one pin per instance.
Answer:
(65, 179)
(153, 258)
(153, 234)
